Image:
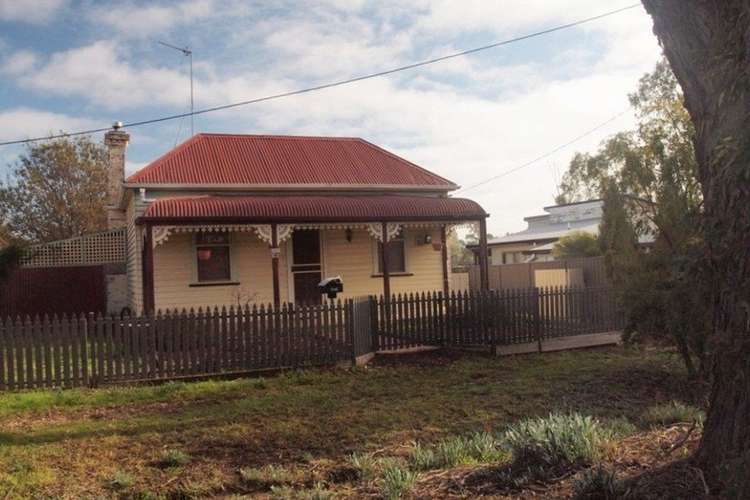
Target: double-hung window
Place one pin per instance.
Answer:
(212, 257)
(395, 253)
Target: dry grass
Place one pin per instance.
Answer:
(73, 444)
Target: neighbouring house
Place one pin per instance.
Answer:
(237, 219)
(535, 243)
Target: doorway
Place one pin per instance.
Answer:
(306, 266)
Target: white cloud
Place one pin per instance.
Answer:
(130, 19)
(101, 74)
(18, 63)
(36, 12)
(23, 123)
(467, 119)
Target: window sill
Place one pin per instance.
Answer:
(214, 283)
(391, 275)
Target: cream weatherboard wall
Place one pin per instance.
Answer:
(175, 284)
(356, 263)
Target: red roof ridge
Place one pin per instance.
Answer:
(283, 136)
(180, 164)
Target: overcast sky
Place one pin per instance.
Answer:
(66, 65)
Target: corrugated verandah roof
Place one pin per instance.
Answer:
(221, 159)
(311, 208)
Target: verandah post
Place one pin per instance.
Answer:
(275, 252)
(444, 258)
(483, 270)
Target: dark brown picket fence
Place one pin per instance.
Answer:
(95, 350)
(72, 351)
(496, 317)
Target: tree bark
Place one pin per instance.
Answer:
(707, 43)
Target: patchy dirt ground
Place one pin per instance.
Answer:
(634, 457)
(297, 431)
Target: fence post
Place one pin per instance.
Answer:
(537, 320)
(87, 323)
(352, 313)
(374, 307)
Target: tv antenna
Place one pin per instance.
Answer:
(189, 54)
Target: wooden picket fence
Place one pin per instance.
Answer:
(493, 318)
(89, 351)
(95, 350)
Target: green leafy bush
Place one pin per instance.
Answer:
(397, 482)
(598, 483)
(672, 413)
(544, 443)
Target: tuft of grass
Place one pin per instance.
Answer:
(422, 457)
(317, 492)
(268, 475)
(397, 482)
(538, 444)
(173, 458)
(120, 480)
(598, 483)
(672, 413)
(480, 447)
(621, 427)
(365, 464)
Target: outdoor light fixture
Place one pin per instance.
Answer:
(427, 239)
(348, 233)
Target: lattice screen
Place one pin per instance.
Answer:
(106, 247)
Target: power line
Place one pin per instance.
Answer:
(545, 155)
(334, 84)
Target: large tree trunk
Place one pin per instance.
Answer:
(707, 43)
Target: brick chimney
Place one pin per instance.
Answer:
(116, 141)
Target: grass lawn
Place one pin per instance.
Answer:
(218, 438)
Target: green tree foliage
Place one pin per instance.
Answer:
(577, 244)
(57, 189)
(648, 179)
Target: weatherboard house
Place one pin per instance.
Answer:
(238, 219)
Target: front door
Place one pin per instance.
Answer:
(306, 266)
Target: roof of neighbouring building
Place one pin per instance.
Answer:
(559, 221)
(562, 220)
(266, 160)
(312, 208)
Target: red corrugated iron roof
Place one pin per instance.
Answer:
(311, 208)
(220, 159)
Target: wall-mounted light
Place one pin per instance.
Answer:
(427, 239)
(348, 234)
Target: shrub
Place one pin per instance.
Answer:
(397, 482)
(598, 483)
(120, 480)
(173, 458)
(672, 413)
(556, 440)
(365, 464)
